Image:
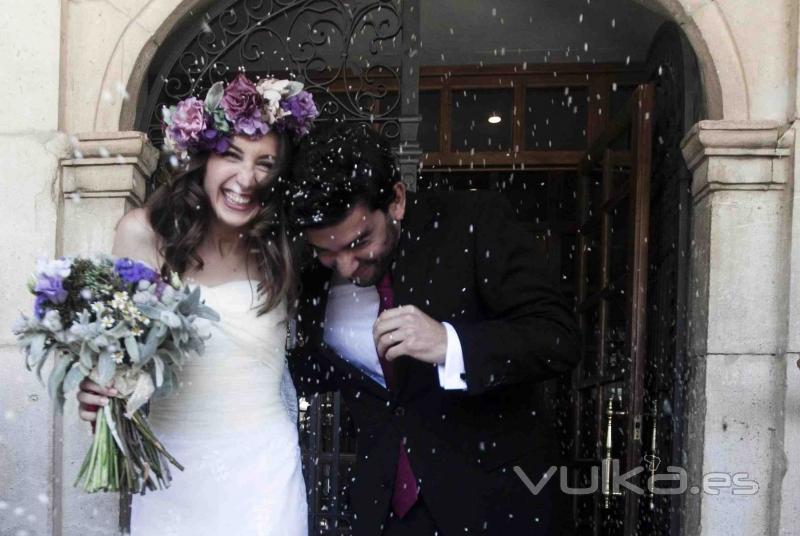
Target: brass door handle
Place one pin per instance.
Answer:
(651, 459)
(608, 455)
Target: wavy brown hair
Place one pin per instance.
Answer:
(180, 212)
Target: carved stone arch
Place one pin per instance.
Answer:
(721, 71)
(724, 84)
(348, 55)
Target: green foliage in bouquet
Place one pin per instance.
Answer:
(113, 321)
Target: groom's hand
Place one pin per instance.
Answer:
(408, 331)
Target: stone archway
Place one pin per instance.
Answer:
(125, 67)
(739, 169)
(723, 77)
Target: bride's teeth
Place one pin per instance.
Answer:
(238, 199)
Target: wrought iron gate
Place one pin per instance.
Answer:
(347, 53)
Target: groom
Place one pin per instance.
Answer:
(431, 315)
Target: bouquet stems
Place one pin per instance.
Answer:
(142, 463)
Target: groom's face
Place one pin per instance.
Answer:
(361, 246)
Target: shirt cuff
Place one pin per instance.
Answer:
(452, 374)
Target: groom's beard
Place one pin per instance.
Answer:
(376, 268)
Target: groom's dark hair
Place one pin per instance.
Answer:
(335, 167)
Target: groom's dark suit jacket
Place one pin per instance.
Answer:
(462, 259)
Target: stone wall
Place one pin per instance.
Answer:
(30, 150)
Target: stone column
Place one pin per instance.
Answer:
(737, 319)
(105, 178)
(786, 505)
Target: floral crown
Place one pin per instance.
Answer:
(241, 107)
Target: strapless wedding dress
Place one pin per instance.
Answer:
(230, 424)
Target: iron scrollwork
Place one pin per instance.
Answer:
(347, 53)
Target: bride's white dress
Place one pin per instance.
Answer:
(232, 428)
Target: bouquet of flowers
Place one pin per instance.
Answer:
(118, 320)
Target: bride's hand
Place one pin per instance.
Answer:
(91, 396)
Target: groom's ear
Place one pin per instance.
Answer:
(397, 208)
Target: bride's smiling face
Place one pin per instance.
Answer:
(232, 178)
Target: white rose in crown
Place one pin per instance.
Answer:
(272, 111)
(272, 91)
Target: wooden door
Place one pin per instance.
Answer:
(608, 386)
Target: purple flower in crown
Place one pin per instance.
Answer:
(303, 111)
(214, 140)
(186, 122)
(242, 105)
(131, 271)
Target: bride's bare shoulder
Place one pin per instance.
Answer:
(134, 237)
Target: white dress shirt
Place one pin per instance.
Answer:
(349, 317)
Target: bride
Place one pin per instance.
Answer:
(219, 223)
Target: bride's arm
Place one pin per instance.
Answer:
(136, 239)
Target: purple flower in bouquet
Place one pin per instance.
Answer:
(186, 123)
(160, 286)
(132, 272)
(38, 306)
(126, 318)
(303, 112)
(49, 283)
(51, 288)
(242, 105)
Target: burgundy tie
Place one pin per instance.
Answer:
(405, 484)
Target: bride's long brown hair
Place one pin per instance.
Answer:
(180, 212)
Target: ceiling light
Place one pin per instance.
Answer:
(494, 118)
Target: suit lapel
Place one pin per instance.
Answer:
(315, 289)
(351, 373)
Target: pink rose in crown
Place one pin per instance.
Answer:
(186, 122)
(242, 105)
